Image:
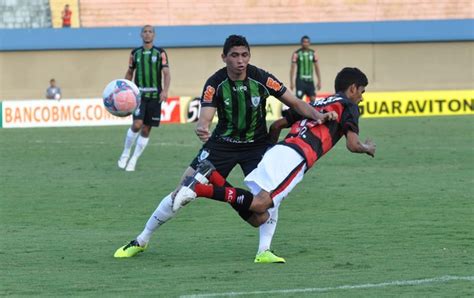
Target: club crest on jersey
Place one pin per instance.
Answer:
(255, 101)
(154, 59)
(204, 154)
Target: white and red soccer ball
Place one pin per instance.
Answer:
(121, 97)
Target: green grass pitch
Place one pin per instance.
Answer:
(406, 215)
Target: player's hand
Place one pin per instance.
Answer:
(329, 116)
(318, 86)
(163, 96)
(370, 147)
(203, 133)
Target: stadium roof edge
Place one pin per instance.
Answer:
(257, 34)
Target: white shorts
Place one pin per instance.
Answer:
(279, 171)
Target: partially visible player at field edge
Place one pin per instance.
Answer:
(148, 64)
(284, 165)
(302, 62)
(238, 94)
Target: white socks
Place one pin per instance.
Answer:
(129, 140)
(141, 144)
(267, 230)
(162, 214)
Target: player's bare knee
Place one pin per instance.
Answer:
(258, 219)
(136, 126)
(262, 202)
(146, 131)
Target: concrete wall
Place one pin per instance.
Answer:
(97, 13)
(408, 66)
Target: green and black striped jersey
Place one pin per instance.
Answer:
(148, 64)
(304, 60)
(241, 105)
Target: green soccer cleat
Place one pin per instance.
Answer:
(129, 250)
(268, 257)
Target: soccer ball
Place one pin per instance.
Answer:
(121, 97)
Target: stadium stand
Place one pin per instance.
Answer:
(110, 13)
(57, 7)
(24, 14)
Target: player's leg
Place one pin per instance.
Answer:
(310, 91)
(272, 176)
(162, 214)
(299, 90)
(151, 118)
(130, 138)
(269, 219)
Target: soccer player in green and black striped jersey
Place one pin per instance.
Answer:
(238, 94)
(149, 65)
(302, 63)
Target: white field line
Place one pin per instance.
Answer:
(415, 282)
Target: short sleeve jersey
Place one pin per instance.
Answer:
(313, 140)
(304, 60)
(241, 105)
(148, 64)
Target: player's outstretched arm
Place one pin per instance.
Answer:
(203, 126)
(356, 146)
(302, 107)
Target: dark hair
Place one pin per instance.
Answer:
(148, 26)
(348, 76)
(304, 37)
(235, 41)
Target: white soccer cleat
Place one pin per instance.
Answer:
(122, 162)
(184, 196)
(186, 193)
(131, 165)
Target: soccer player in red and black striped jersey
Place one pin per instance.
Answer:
(284, 165)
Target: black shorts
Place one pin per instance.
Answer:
(225, 159)
(149, 111)
(305, 88)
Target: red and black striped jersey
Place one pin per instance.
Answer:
(313, 140)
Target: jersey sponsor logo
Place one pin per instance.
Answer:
(272, 84)
(148, 89)
(229, 195)
(255, 101)
(328, 100)
(204, 154)
(240, 88)
(154, 59)
(209, 94)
